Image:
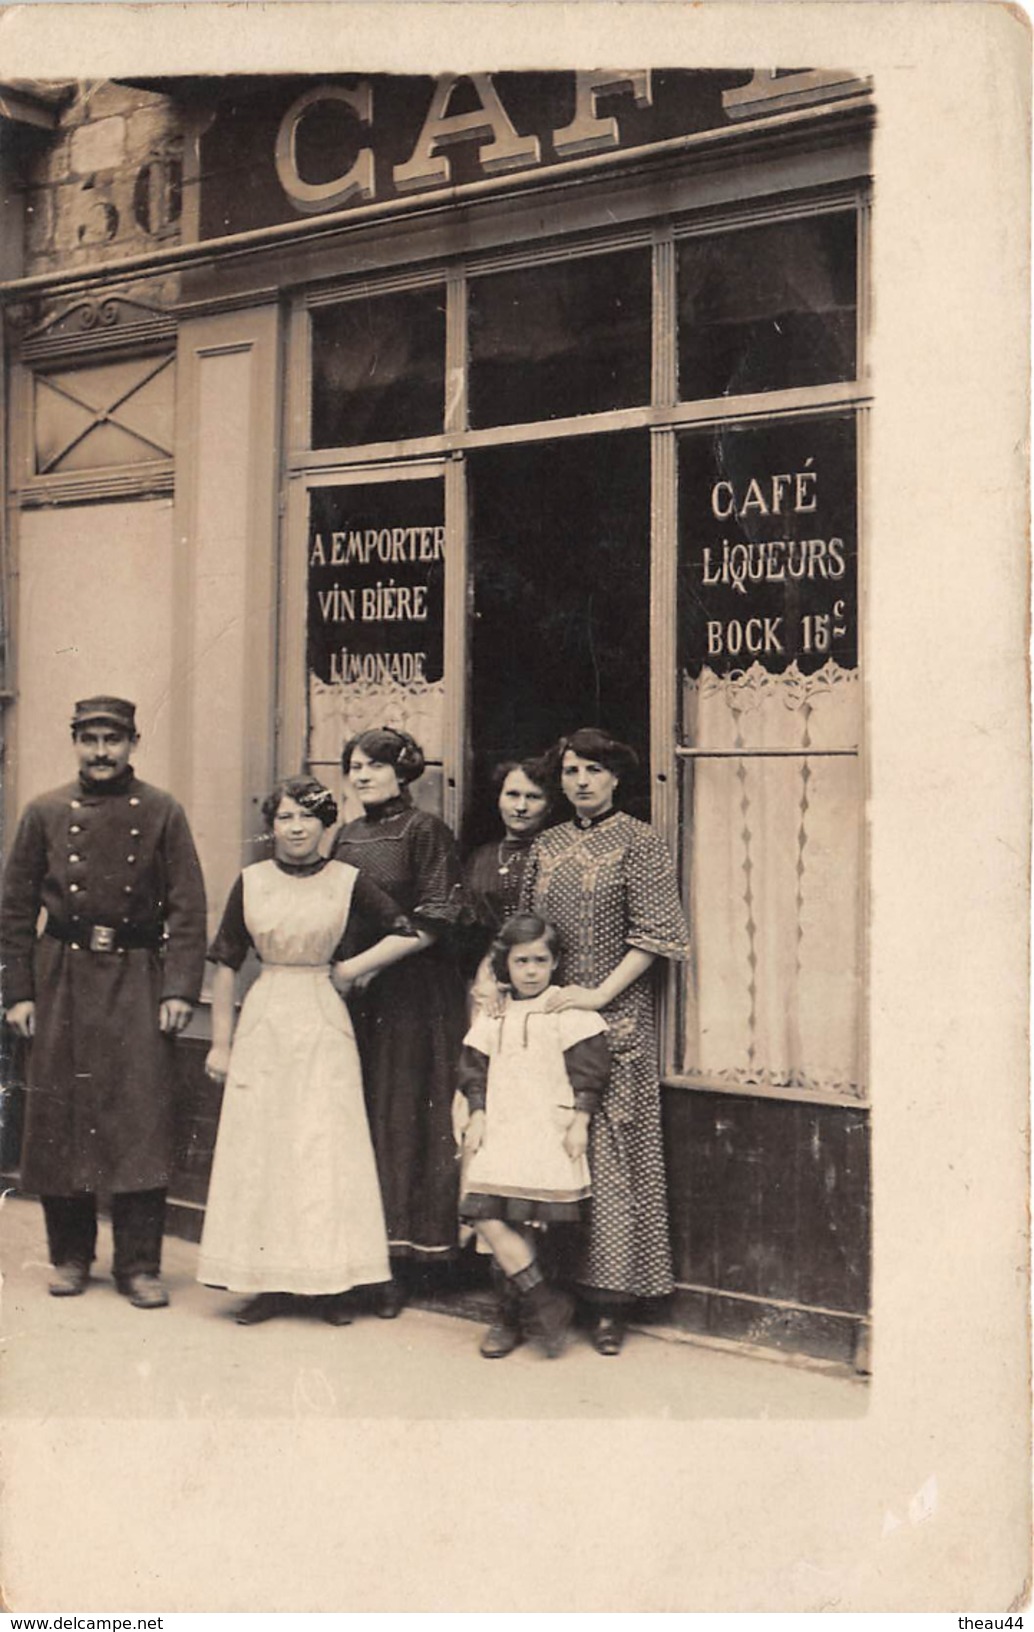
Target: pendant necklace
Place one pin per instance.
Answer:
(504, 865)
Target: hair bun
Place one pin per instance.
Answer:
(389, 746)
(410, 762)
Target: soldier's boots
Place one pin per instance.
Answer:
(144, 1291)
(68, 1280)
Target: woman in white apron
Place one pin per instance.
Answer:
(294, 1209)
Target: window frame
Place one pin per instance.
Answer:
(664, 417)
(84, 334)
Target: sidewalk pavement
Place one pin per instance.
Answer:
(95, 1356)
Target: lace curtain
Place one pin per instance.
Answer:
(338, 711)
(773, 858)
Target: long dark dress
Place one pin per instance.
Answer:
(493, 876)
(410, 1022)
(608, 887)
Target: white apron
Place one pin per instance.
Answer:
(529, 1104)
(294, 1204)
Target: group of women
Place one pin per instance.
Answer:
(336, 1160)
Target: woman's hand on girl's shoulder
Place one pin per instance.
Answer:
(487, 996)
(559, 998)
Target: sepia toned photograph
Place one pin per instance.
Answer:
(458, 419)
(438, 583)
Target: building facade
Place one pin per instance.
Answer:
(486, 406)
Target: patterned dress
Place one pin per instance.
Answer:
(294, 1205)
(410, 1022)
(607, 887)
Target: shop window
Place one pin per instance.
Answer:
(571, 337)
(766, 308)
(113, 415)
(375, 592)
(560, 634)
(378, 368)
(768, 546)
(770, 720)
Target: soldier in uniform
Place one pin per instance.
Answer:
(102, 992)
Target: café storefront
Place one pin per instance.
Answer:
(490, 406)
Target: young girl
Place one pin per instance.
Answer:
(294, 1214)
(532, 1081)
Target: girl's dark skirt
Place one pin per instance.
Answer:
(520, 1210)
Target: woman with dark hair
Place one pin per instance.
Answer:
(410, 1020)
(294, 1209)
(607, 882)
(493, 873)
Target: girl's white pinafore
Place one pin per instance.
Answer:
(294, 1204)
(529, 1103)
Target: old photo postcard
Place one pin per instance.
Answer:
(514, 602)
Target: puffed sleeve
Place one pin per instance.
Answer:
(232, 942)
(380, 915)
(587, 1064)
(439, 897)
(183, 966)
(23, 881)
(655, 919)
(472, 1077)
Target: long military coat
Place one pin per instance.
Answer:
(101, 1074)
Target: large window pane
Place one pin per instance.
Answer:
(766, 308)
(378, 369)
(569, 338)
(771, 790)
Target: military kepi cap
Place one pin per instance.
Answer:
(107, 711)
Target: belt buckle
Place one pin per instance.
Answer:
(102, 938)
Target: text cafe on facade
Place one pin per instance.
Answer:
(486, 406)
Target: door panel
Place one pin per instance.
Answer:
(560, 546)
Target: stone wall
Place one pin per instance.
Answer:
(109, 181)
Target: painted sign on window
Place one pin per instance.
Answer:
(768, 559)
(376, 580)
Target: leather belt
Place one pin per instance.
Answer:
(84, 933)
